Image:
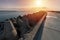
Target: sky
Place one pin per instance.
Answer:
(52, 4)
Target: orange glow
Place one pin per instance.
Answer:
(38, 3)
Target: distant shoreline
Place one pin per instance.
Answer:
(55, 11)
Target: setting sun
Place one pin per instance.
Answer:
(38, 3)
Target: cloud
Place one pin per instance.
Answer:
(8, 3)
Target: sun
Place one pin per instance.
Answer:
(38, 3)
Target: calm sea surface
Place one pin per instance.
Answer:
(51, 29)
(6, 15)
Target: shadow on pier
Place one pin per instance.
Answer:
(39, 33)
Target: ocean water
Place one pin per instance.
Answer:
(10, 14)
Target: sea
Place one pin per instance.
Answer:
(10, 14)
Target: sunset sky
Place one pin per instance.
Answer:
(52, 4)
